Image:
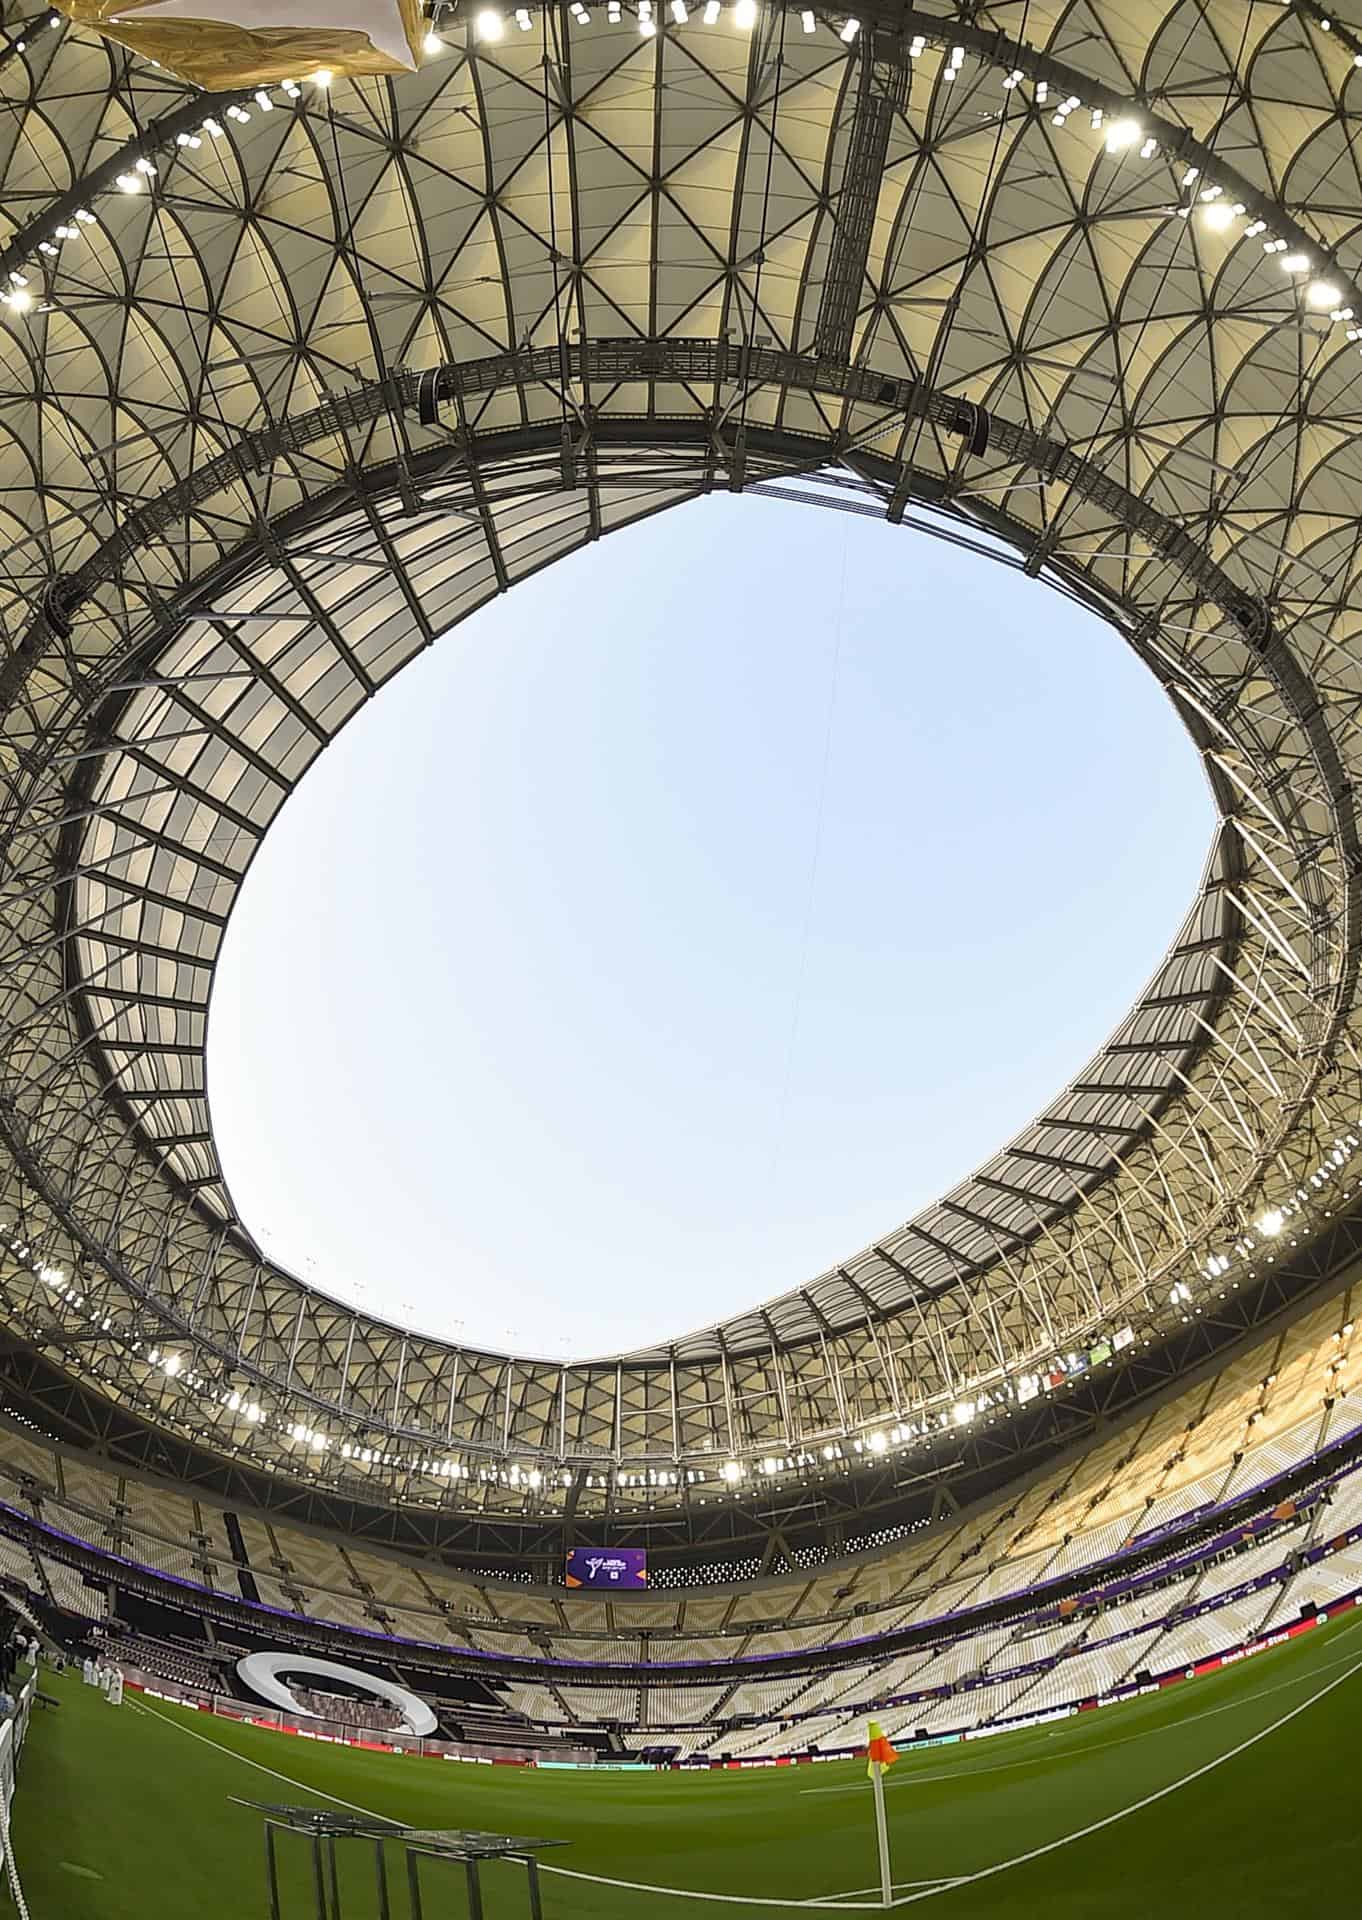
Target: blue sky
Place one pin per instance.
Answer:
(685, 920)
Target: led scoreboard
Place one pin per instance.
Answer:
(598, 1567)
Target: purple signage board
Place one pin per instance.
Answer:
(607, 1567)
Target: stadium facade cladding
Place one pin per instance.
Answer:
(294, 382)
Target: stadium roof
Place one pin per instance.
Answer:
(295, 380)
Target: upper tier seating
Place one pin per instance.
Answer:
(1267, 1409)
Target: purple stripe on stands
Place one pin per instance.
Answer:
(1127, 1586)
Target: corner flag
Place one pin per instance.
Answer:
(879, 1755)
(879, 1752)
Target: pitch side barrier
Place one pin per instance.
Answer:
(13, 1733)
(340, 1733)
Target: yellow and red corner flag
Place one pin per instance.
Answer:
(879, 1752)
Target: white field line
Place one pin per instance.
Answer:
(140, 1706)
(838, 1902)
(963, 1772)
(857, 1892)
(1136, 1806)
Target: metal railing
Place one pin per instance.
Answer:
(13, 1732)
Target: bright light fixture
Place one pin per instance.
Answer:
(1122, 134)
(1321, 293)
(432, 42)
(1217, 215)
(731, 1472)
(807, 21)
(1295, 263)
(850, 30)
(322, 77)
(745, 14)
(1272, 1223)
(878, 1443)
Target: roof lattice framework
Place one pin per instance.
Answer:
(285, 395)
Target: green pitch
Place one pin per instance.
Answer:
(1239, 1794)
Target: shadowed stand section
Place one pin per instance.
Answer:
(323, 1827)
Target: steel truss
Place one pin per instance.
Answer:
(237, 513)
(788, 1524)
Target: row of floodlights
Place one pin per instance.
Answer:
(733, 1472)
(879, 1441)
(172, 1367)
(1274, 1220)
(876, 1442)
(490, 24)
(1121, 134)
(1268, 1227)
(52, 20)
(1326, 25)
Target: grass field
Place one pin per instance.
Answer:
(1238, 1794)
